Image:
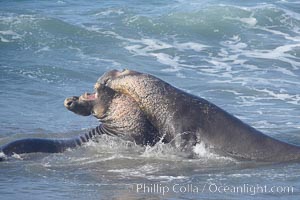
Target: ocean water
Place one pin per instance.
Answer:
(243, 56)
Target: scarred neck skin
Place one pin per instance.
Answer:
(155, 97)
(118, 114)
(123, 118)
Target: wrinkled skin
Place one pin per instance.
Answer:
(186, 120)
(119, 114)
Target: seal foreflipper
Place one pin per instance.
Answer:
(34, 145)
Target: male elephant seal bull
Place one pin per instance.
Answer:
(119, 115)
(186, 118)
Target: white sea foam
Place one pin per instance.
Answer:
(166, 59)
(141, 171)
(61, 2)
(203, 151)
(251, 21)
(284, 71)
(110, 12)
(84, 56)
(180, 75)
(154, 44)
(162, 151)
(149, 47)
(166, 178)
(234, 44)
(2, 39)
(289, 98)
(146, 171)
(17, 156)
(14, 19)
(190, 46)
(153, 48)
(233, 92)
(264, 124)
(43, 49)
(277, 53)
(94, 159)
(2, 155)
(279, 33)
(9, 36)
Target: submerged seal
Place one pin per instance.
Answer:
(185, 119)
(119, 115)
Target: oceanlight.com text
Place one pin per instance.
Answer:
(243, 189)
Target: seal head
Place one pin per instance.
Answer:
(118, 114)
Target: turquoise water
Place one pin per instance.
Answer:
(242, 55)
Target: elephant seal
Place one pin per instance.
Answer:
(119, 116)
(185, 119)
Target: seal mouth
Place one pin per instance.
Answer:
(89, 96)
